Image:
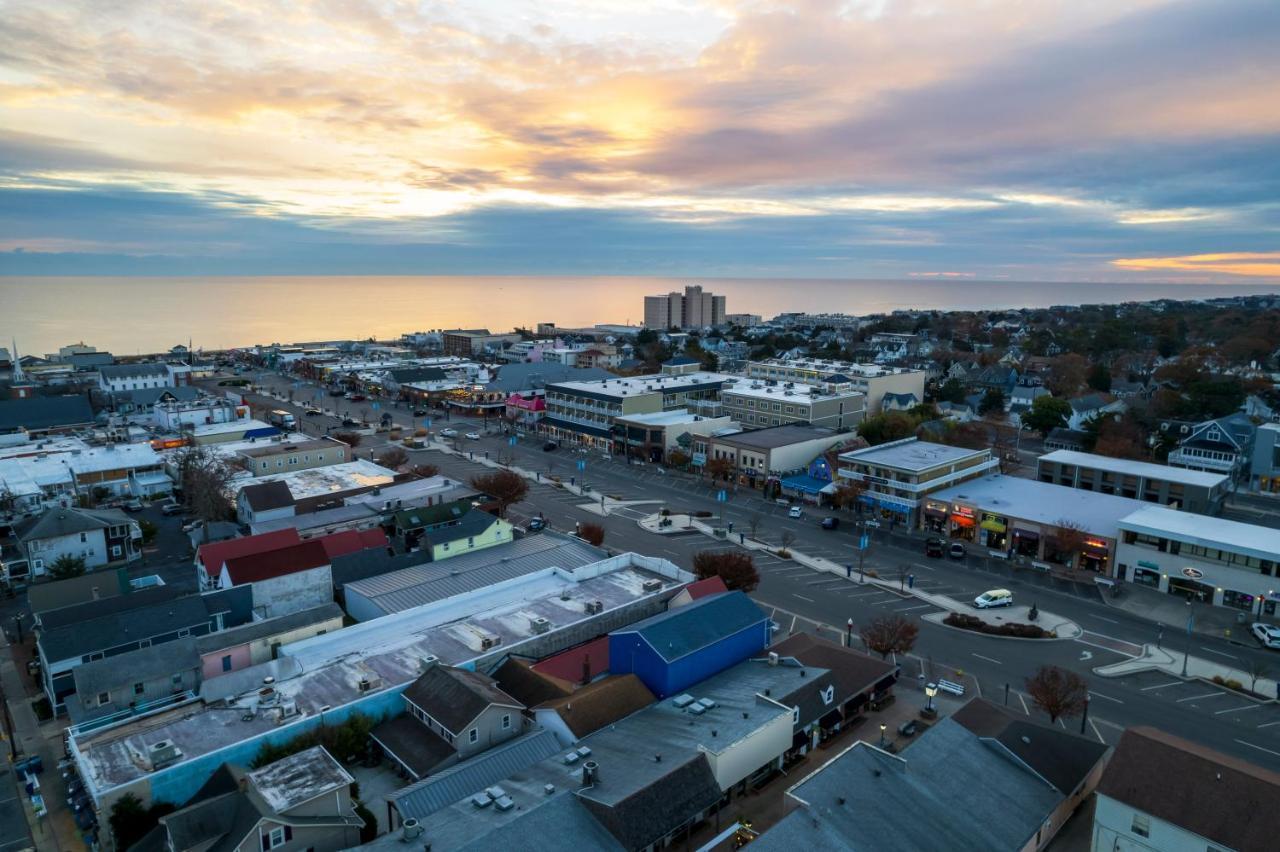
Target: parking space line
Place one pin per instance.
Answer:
(1219, 653)
(1195, 697)
(1096, 732)
(1162, 685)
(1025, 708)
(803, 598)
(988, 659)
(1105, 697)
(1100, 618)
(1259, 748)
(1238, 709)
(910, 608)
(1269, 724)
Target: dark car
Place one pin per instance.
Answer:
(337, 392)
(957, 551)
(350, 424)
(537, 524)
(934, 547)
(831, 523)
(357, 397)
(549, 446)
(314, 412)
(419, 412)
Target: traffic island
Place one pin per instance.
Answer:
(1007, 623)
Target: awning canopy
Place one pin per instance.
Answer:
(805, 484)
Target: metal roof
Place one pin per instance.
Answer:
(679, 632)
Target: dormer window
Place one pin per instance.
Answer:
(828, 694)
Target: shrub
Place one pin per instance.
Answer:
(1219, 680)
(419, 433)
(972, 622)
(370, 830)
(703, 513)
(1232, 683)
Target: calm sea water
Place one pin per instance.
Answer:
(131, 315)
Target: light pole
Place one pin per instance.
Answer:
(848, 629)
(883, 728)
(930, 691)
(1191, 618)
(17, 622)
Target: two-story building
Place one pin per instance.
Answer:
(129, 377)
(101, 537)
(1218, 446)
(895, 478)
(761, 457)
(1179, 488)
(133, 681)
(281, 456)
(768, 403)
(873, 381)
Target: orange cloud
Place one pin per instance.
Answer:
(1263, 264)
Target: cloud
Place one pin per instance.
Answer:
(1248, 264)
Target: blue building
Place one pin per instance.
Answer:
(678, 648)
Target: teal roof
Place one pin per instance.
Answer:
(679, 632)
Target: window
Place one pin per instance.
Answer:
(473, 736)
(184, 632)
(115, 550)
(104, 698)
(226, 663)
(795, 715)
(83, 538)
(1141, 825)
(138, 689)
(828, 694)
(506, 722)
(176, 680)
(278, 836)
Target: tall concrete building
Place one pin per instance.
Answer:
(694, 308)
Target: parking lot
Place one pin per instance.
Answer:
(1217, 703)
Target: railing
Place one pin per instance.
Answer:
(143, 709)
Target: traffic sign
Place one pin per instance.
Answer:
(722, 496)
(511, 441)
(582, 464)
(864, 541)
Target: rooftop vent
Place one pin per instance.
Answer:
(773, 658)
(539, 624)
(594, 607)
(504, 803)
(410, 829)
(651, 585)
(697, 708)
(163, 753)
(480, 800)
(571, 758)
(584, 751)
(683, 700)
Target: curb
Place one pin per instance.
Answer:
(933, 618)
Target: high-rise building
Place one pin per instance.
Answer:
(695, 308)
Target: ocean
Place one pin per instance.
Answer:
(140, 315)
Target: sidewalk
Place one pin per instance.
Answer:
(1171, 662)
(1172, 612)
(57, 830)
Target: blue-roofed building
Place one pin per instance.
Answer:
(674, 650)
(813, 483)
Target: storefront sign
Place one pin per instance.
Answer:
(991, 522)
(1153, 566)
(962, 511)
(1095, 544)
(699, 459)
(935, 507)
(1192, 573)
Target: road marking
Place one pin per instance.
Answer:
(1162, 685)
(1105, 697)
(1237, 709)
(1025, 708)
(793, 621)
(1269, 724)
(1096, 732)
(803, 598)
(988, 659)
(910, 608)
(1086, 655)
(1259, 748)
(1100, 618)
(1110, 724)
(1196, 697)
(1219, 653)
(867, 594)
(828, 582)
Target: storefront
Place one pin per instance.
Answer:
(1094, 555)
(935, 516)
(1026, 542)
(1147, 574)
(963, 523)
(993, 531)
(1189, 586)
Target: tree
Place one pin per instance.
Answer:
(351, 439)
(1047, 412)
(66, 566)
(848, 493)
(1067, 374)
(130, 820)
(719, 468)
(952, 390)
(753, 523)
(889, 634)
(149, 530)
(426, 471)
(992, 400)
(205, 479)
(1100, 378)
(503, 486)
(1058, 692)
(1257, 668)
(787, 538)
(679, 458)
(890, 426)
(971, 436)
(591, 534)
(393, 458)
(1068, 537)
(736, 568)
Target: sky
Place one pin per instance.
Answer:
(1039, 140)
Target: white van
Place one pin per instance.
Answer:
(995, 597)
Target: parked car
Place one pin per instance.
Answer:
(934, 547)
(134, 505)
(831, 523)
(549, 446)
(337, 392)
(419, 412)
(995, 597)
(448, 433)
(871, 522)
(536, 525)
(171, 508)
(473, 436)
(314, 412)
(957, 551)
(350, 424)
(1268, 635)
(795, 512)
(192, 525)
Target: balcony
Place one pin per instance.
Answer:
(1193, 460)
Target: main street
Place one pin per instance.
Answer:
(802, 599)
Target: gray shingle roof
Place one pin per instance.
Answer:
(60, 522)
(127, 371)
(682, 631)
(45, 412)
(264, 496)
(518, 377)
(141, 665)
(267, 627)
(413, 744)
(473, 523)
(455, 697)
(118, 628)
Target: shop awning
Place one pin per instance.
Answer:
(805, 484)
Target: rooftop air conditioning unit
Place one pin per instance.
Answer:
(651, 585)
(490, 641)
(410, 829)
(571, 758)
(370, 683)
(164, 753)
(428, 661)
(594, 607)
(683, 700)
(540, 625)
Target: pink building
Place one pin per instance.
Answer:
(526, 408)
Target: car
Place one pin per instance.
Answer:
(448, 433)
(871, 522)
(171, 508)
(995, 597)
(192, 525)
(357, 397)
(473, 436)
(313, 412)
(536, 525)
(549, 446)
(419, 412)
(795, 512)
(337, 392)
(606, 456)
(831, 523)
(957, 551)
(1268, 635)
(134, 505)
(350, 424)
(934, 547)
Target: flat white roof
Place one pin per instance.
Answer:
(1135, 468)
(1044, 503)
(640, 385)
(1233, 536)
(803, 393)
(318, 481)
(911, 454)
(665, 418)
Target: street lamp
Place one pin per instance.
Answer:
(1191, 618)
(930, 690)
(17, 622)
(848, 628)
(883, 728)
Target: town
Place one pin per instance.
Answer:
(899, 581)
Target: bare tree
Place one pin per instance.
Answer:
(1058, 692)
(889, 634)
(504, 486)
(787, 538)
(393, 458)
(753, 523)
(424, 470)
(1069, 538)
(591, 534)
(678, 458)
(351, 439)
(720, 469)
(847, 494)
(736, 568)
(1256, 669)
(205, 479)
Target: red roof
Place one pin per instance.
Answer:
(211, 556)
(276, 563)
(703, 588)
(567, 665)
(352, 541)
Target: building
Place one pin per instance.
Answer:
(35, 416)
(1264, 473)
(683, 646)
(129, 377)
(51, 473)
(300, 802)
(1161, 792)
(1062, 438)
(279, 456)
(115, 687)
(488, 395)
(451, 714)
(695, 308)
(260, 641)
(873, 381)
(767, 403)
(1093, 406)
(1218, 446)
(285, 580)
(281, 495)
(895, 478)
(468, 343)
(651, 437)
(1040, 521)
(762, 456)
(585, 412)
(100, 537)
(743, 320)
(1178, 488)
(1220, 562)
(951, 783)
